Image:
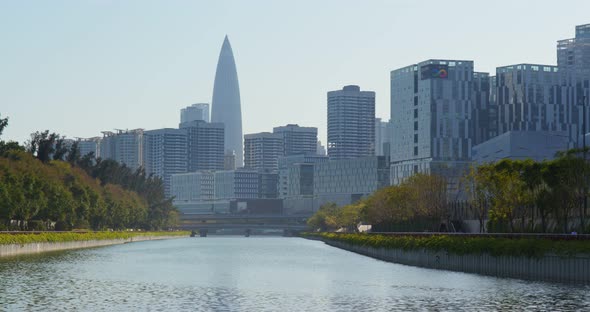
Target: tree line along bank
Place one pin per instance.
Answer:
(507, 196)
(46, 185)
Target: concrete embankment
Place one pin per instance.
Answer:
(32, 248)
(551, 268)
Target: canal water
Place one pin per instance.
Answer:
(258, 274)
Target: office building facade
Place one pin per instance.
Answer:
(236, 184)
(346, 181)
(431, 115)
(292, 180)
(268, 182)
(227, 191)
(382, 137)
(483, 111)
(229, 160)
(226, 106)
(300, 180)
(314, 181)
(573, 61)
(321, 149)
(193, 186)
(520, 145)
(530, 97)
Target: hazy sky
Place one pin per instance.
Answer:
(80, 67)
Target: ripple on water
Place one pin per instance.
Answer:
(258, 274)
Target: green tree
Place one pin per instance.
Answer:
(80, 191)
(11, 194)
(3, 124)
(532, 175)
(566, 176)
(478, 186)
(351, 215)
(42, 145)
(6, 147)
(508, 194)
(60, 204)
(33, 200)
(430, 197)
(60, 148)
(325, 219)
(73, 155)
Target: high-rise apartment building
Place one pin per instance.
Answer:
(205, 145)
(431, 114)
(123, 146)
(165, 154)
(262, 150)
(89, 145)
(573, 55)
(351, 123)
(298, 140)
(199, 111)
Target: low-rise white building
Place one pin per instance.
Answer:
(535, 145)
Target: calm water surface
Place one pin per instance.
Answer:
(258, 274)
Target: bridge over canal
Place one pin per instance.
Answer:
(244, 223)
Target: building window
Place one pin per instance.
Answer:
(416, 138)
(415, 113)
(415, 126)
(415, 150)
(415, 100)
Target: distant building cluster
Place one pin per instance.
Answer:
(445, 116)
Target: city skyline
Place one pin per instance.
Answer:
(54, 65)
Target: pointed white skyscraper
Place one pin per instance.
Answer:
(226, 107)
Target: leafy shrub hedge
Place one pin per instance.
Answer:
(528, 247)
(45, 237)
